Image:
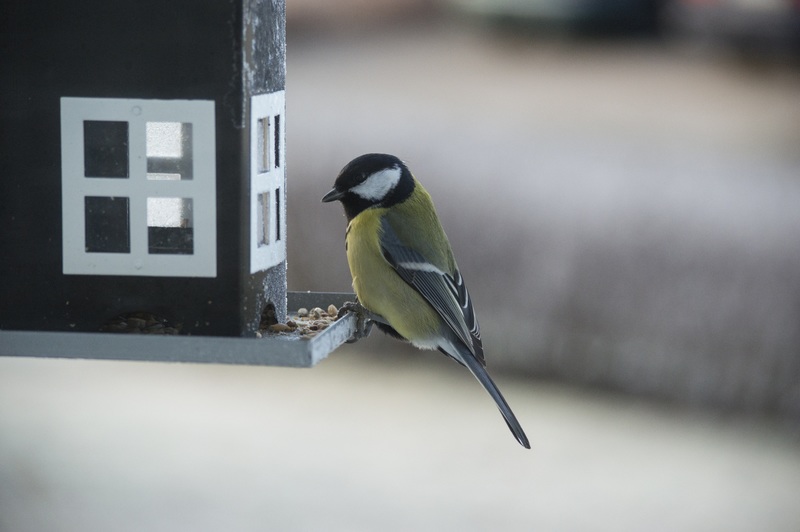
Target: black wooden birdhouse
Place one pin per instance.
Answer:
(143, 172)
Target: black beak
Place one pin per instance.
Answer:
(333, 195)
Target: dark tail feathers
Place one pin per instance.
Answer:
(480, 373)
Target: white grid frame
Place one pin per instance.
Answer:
(268, 180)
(201, 188)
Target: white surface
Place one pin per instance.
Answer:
(378, 441)
(268, 180)
(201, 188)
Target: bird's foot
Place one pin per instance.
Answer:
(364, 320)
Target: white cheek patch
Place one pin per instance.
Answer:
(378, 185)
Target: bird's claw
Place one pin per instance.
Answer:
(363, 321)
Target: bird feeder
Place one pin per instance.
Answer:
(144, 184)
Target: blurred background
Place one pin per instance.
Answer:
(620, 181)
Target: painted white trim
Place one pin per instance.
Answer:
(267, 176)
(201, 188)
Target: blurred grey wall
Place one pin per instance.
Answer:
(625, 215)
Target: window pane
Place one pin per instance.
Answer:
(105, 148)
(277, 214)
(262, 219)
(107, 225)
(170, 226)
(164, 139)
(263, 145)
(169, 150)
(277, 141)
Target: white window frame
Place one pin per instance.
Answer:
(270, 181)
(201, 188)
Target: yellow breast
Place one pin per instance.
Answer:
(379, 288)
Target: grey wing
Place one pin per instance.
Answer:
(446, 293)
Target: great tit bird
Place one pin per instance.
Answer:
(404, 274)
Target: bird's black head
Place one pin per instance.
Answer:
(374, 179)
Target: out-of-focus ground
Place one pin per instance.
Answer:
(367, 441)
(625, 215)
